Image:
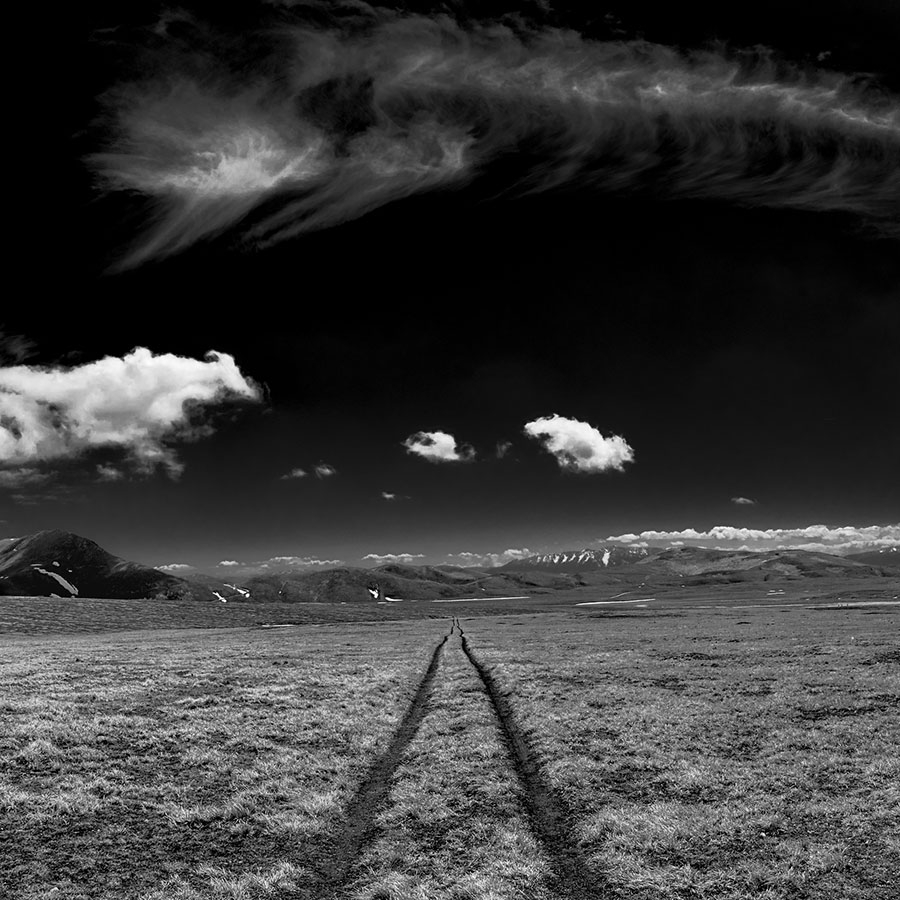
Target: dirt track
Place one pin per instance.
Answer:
(550, 821)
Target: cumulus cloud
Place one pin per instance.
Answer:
(228, 562)
(488, 560)
(387, 495)
(830, 539)
(140, 404)
(578, 446)
(393, 557)
(352, 108)
(174, 567)
(324, 470)
(438, 447)
(294, 473)
(743, 501)
(503, 447)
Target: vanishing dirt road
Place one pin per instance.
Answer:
(550, 822)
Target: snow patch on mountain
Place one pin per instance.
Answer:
(73, 591)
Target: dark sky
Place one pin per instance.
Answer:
(742, 341)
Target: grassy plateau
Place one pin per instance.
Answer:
(549, 753)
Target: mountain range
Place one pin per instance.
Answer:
(58, 563)
(586, 560)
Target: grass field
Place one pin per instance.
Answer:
(186, 763)
(684, 753)
(746, 754)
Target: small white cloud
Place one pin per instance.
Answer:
(109, 473)
(743, 501)
(324, 470)
(299, 561)
(438, 447)
(503, 447)
(174, 567)
(393, 557)
(489, 560)
(578, 446)
(228, 562)
(294, 473)
(387, 495)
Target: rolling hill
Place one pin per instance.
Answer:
(61, 564)
(886, 556)
(698, 565)
(395, 582)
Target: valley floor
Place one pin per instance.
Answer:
(736, 752)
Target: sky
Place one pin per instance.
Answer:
(318, 285)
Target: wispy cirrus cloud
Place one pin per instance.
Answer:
(141, 405)
(324, 470)
(352, 107)
(578, 446)
(15, 348)
(743, 501)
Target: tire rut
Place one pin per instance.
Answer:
(371, 795)
(550, 819)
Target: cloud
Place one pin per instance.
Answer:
(323, 470)
(387, 495)
(15, 348)
(488, 560)
(298, 561)
(350, 110)
(174, 567)
(503, 447)
(294, 473)
(139, 404)
(276, 563)
(578, 446)
(393, 557)
(830, 539)
(22, 476)
(438, 447)
(109, 473)
(743, 501)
